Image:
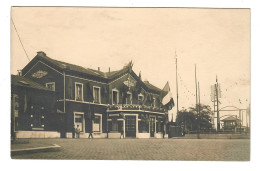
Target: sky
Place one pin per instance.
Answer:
(216, 40)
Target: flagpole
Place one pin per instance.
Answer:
(196, 85)
(199, 102)
(196, 89)
(177, 97)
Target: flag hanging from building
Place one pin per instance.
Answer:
(167, 100)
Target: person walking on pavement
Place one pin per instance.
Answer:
(73, 131)
(90, 133)
(78, 131)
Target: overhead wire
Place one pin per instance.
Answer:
(20, 40)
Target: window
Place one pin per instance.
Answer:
(140, 98)
(154, 102)
(114, 124)
(79, 121)
(96, 94)
(51, 86)
(97, 126)
(78, 91)
(129, 98)
(114, 97)
(16, 105)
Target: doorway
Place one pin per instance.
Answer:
(152, 126)
(130, 126)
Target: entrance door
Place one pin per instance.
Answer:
(130, 126)
(152, 126)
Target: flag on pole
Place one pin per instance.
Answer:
(167, 100)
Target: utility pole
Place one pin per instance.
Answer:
(240, 120)
(214, 101)
(177, 86)
(218, 119)
(196, 85)
(199, 95)
(196, 89)
(199, 104)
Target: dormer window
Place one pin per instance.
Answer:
(129, 98)
(115, 96)
(140, 98)
(51, 86)
(154, 102)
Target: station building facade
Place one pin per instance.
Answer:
(33, 110)
(106, 103)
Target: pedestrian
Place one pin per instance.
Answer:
(78, 131)
(90, 133)
(122, 133)
(73, 131)
(163, 133)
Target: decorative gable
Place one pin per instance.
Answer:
(39, 74)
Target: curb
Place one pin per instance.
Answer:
(33, 150)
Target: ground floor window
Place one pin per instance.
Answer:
(79, 121)
(97, 126)
(114, 124)
(159, 126)
(143, 127)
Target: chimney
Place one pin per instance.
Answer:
(109, 69)
(19, 72)
(41, 53)
(98, 68)
(146, 81)
(140, 76)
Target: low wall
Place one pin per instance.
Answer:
(143, 135)
(216, 136)
(53, 134)
(37, 134)
(114, 135)
(158, 135)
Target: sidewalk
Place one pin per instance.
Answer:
(20, 146)
(214, 136)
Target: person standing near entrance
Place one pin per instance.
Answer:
(122, 132)
(78, 131)
(163, 131)
(73, 131)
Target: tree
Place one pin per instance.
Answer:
(203, 116)
(192, 120)
(186, 119)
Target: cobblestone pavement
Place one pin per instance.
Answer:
(145, 149)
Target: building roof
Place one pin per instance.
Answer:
(151, 87)
(111, 75)
(24, 82)
(230, 118)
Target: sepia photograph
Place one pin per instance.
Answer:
(107, 83)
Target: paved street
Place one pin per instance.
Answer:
(144, 149)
